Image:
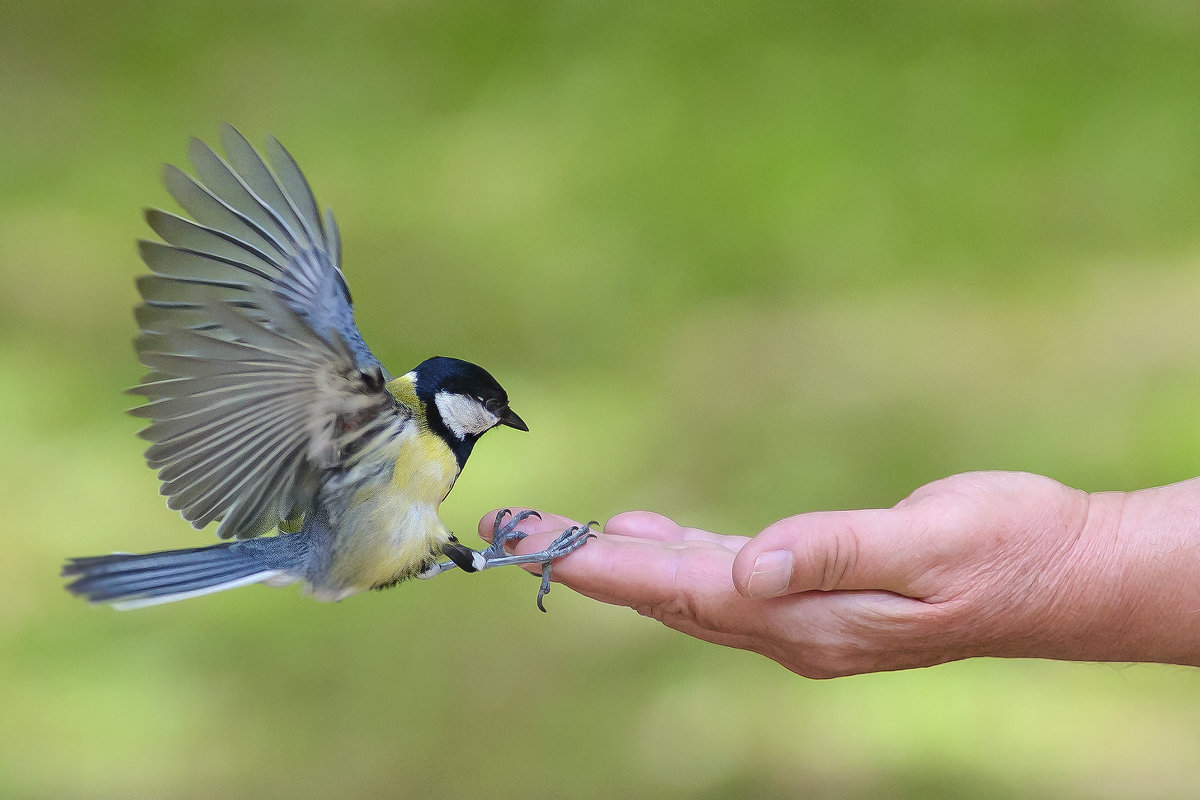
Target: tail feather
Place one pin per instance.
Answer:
(135, 580)
(154, 582)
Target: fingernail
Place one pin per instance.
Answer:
(771, 574)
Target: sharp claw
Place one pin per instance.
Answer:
(571, 540)
(514, 521)
(545, 587)
(505, 532)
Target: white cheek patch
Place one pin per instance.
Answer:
(464, 416)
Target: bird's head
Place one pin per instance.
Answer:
(462, 401)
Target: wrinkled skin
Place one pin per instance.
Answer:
(979, 564)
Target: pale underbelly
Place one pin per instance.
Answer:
(379, 543)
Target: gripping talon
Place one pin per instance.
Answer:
(567, 542)
(545, 587)
(505, 532)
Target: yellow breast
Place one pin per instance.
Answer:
(425, 469)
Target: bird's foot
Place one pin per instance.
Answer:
(567, 542)
(505, 532)
(495, 555)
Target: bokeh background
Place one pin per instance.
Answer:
(732, 261)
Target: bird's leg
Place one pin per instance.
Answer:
(470, 560)
(474, 560)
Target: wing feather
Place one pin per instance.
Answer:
(209, 210)
(232, 190)
(189, 235)
(198, 267)
(258, 178)
(179, 474)
(295, 189)
(333, 243)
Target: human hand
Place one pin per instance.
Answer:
(979, 564)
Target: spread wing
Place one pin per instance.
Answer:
(261, 388)
(253, 227)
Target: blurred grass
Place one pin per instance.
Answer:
(732, 263)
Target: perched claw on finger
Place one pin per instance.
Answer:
(505, 532)
(567, 542)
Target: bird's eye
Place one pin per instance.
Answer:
(493, 404)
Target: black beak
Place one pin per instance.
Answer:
(510, 418)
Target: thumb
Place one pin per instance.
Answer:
(828, 551)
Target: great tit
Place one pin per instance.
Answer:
(268, 411)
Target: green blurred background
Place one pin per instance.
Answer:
(733, 262)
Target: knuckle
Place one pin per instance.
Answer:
(834, 558)
(681, 606)
(683, 600)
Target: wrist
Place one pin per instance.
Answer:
(1131, 588)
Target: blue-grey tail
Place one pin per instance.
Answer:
(131, 581)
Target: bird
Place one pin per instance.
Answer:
(269, 415)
